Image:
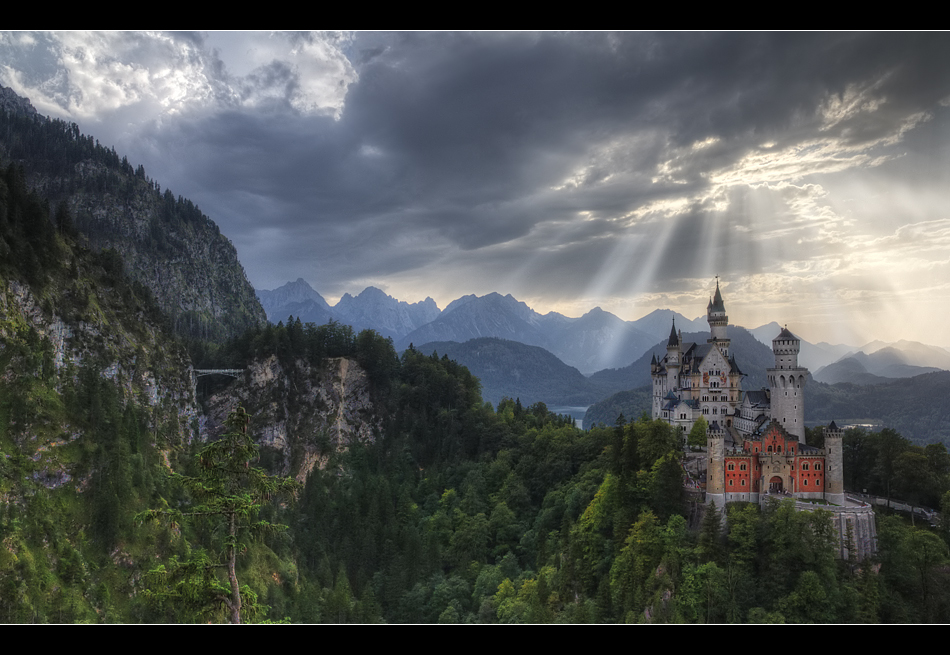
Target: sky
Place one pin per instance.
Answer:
(809, 171)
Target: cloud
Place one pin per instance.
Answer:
(547, 165)
(83, 75)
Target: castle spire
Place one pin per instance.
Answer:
(718, 321)
(674, 340)
(716, 303)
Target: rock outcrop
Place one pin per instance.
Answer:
(306, 413)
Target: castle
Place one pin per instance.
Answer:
(756, 440)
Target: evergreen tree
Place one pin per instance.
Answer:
(229, 490)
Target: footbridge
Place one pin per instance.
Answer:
(233, 372)
(201, 372)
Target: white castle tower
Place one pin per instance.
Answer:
(718, 322)
(787, 385)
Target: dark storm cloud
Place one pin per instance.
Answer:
(546, 158)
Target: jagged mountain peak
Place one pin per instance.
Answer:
(15, 104)
(458, 302)
(297, 298)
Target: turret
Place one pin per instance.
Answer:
(718, 321)
(715, 471)
(673, 358)
(834, 469)
(787, 384)
(786, 347)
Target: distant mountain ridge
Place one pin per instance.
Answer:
(372, 309)
(515, 370)
(882, 365)
(592, 342)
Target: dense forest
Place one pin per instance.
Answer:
(462, 512)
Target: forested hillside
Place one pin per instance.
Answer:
(512, 369)
(95, 401)
(166, 242)
(915, 406)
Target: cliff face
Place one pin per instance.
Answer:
(73, 350)
(166, 242)
(180, 255)
(305, 413)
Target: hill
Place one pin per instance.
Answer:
(517, 371)
(915, 407)
(165, 242)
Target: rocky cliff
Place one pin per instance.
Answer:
(71, 354)
(304, 413)
(166, 242)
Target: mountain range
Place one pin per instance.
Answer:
(598, 344)
(595, 341)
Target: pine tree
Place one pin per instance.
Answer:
(229, 490)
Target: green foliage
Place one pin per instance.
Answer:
(230, 493)
(697, 435)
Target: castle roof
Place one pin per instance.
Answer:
(716, 304)
(674, 339)
(757, 397)
(786, 335)
(734, 365)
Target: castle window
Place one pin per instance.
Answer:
(806, 483)
(730, 483)
(743, 483)
(804, 466)
(732, 467)
(817, 466)
(817, 483)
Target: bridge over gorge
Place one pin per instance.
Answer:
(202, 372)
(233, 372)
